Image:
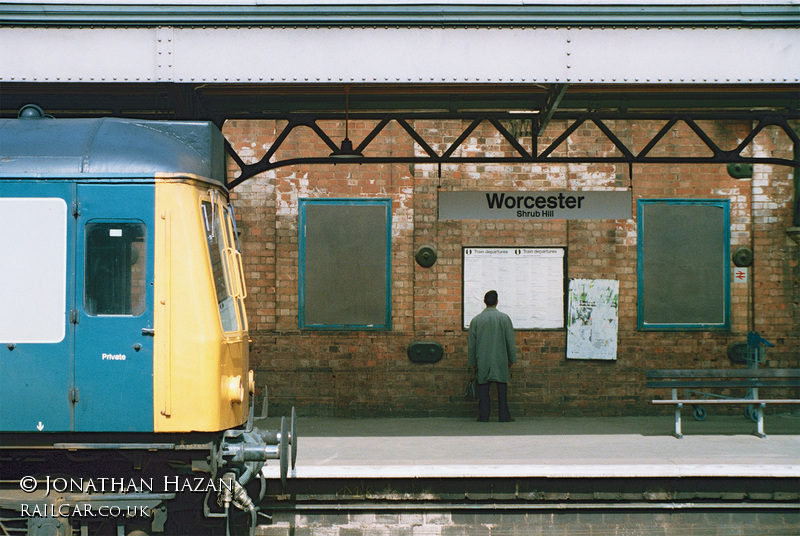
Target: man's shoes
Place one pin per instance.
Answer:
(510, 419)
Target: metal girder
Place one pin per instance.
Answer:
(399, 55)
(520, 154)
(351, 13)
(219, 102)
(554, 96)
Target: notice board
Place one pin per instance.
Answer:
(529, 283)
(593, 319)
(345, 261)
(684, 264)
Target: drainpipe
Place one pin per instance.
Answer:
(794, 230)
(796, 175)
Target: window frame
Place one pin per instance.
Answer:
(233, 277)
(136, 308)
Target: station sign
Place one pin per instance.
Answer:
(536, 205)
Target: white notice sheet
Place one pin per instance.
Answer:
(528, 281)
(592, 324)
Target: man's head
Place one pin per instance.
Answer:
(490, 299)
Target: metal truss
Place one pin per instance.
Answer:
(532, 154)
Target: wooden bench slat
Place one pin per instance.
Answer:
(720, 401)
(746, 383)
(723, 373)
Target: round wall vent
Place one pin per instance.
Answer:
(425, 256)
(743, 257)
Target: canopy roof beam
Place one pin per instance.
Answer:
(554, 96)
(519, 154)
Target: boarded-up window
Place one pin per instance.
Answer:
(345, 252)
(33, 270)
(683, 264)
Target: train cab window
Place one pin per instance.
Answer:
(221, 259)
(236, 267)
(114, 276)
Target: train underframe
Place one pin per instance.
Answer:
(130, 485)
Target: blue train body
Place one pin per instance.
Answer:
(78, 198)
(123, 331)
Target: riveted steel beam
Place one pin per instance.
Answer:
(327, 13)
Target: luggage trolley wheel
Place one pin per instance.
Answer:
(699, 413)
(751, 413)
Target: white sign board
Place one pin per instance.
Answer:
(536, 205)
(592, 320)
(529, 283)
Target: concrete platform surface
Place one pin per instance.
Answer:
(555, 447)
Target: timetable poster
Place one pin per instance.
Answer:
(529, 283)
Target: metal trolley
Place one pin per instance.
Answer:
(752, 353)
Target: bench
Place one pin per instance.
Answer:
(751, 379)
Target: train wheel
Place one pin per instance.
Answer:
(284, 452)
(293, 435)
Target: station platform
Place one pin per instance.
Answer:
(548, 476)
(546, 447)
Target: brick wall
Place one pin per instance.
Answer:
(533, 523)
(369, 373)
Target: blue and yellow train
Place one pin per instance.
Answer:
(123, 330)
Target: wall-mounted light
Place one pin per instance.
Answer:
(346, 151)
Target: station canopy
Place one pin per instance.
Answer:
(307, 61)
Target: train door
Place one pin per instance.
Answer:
(35, 293)
(113, 385)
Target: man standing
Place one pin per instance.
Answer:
(492, 350)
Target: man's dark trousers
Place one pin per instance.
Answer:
(485, 404)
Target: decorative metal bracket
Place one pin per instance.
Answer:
(520, 154)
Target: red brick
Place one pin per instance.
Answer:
(368, 373)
